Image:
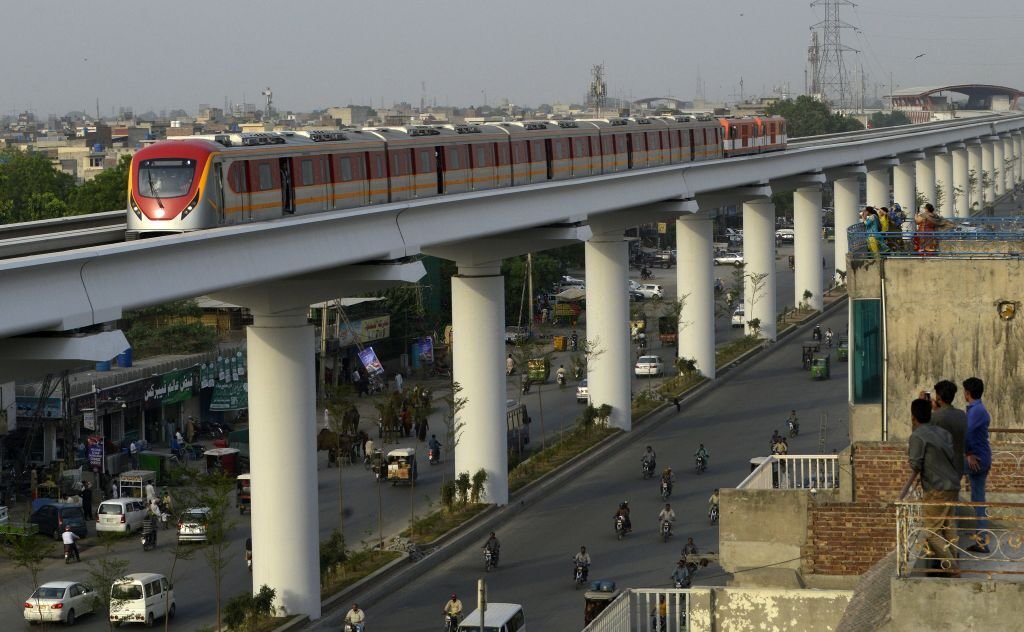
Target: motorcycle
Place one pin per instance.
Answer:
(451, 623)
(646, 468)
(573, 343)
(433, 457)
(526, 386)
(248, 560)
(148, 541)
(577, 372)
(666, 530)
(713, 514)
(794, 429)
(69, 554)
(560, 379)
(490, 559)
(620, 527)
(701, 465)
(666, 490)
(581, 574)
(354, 627)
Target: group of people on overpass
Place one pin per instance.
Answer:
(888, 230)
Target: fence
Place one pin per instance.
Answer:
(645, 610)
(999, 531)
(783, 471)
(976, 237)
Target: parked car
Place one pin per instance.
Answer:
(121, 514)
(52, 518)
(728, 258)
(648, 365)
(582, 393)
(59, 601)
(192, 524)
(785, 234)
(738, 317)
(516, 335)
(651, 290)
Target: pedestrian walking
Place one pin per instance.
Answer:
(87, 500)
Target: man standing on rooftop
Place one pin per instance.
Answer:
(932, 457)
(979, 455)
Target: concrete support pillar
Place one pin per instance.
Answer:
(282, 452)
(974, 168)
(607, 260)
(878, 188)
(1008, 163)
(998, 168)
(807, 246)
(759, 253)
(1018, 154)
(944, 182)
(924, 171)
(961, 177)
(988, 184)
(846, 195)
(904, 190)
(695, 281)
(478, 354)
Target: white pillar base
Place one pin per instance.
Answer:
(695, 283)
(987, 162)
(478, 354)
(807, 247)
(903, 187)
(924, 171)
(607, 260)
(846, 195)
(974, 168)
(944, 181)
(282, 449)
(877, 189)
(759, 254)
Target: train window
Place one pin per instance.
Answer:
(266, 177)
(502, 154)
(307, 173)
(426, 161)
(481, 157)
(452, 156)
(345, 167)
(537, 153)
(378, 166)
(236, 178)
(166, 177)
(519, 152)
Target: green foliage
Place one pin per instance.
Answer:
(31, 188)
(449, 493)
(247, 610)
(882, 119)
(546, 272)
(169, 328)
(332, 553)
(108, 191)
(476, 491)
(103, 572)
(28, 552)
(463, 484)
(806, 116)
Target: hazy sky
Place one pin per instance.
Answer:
(60, 55)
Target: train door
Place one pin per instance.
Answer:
(217, 197)
(287, 186)
(550, 157)
(629, 151)
(439, 169)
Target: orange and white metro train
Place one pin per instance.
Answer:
(200, 182)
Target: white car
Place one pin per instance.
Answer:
(738, 318)
(648, 365)
(785, 234)
(59, 601)
(728, 258)
(192, 524)
(121, 514)
(582, 393)
(633, 285)
(651, 290)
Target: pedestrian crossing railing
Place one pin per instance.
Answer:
(936, 538)
(785, 471)
(645, 610)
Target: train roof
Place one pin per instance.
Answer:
(289, 137)
(445, 132)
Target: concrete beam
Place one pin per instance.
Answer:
(30, 357)
(799, 181)
(513, 244)
(845, 172)
(737, 195)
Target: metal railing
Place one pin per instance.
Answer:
(640, 610)
(784, 471)
(1000, 537)
(975, 237)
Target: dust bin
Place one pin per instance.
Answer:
(103, 366)
(124, 359)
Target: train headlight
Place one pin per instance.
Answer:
(135, 207)
(191, 205)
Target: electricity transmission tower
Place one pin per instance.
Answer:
(832, 79)
(597, 91)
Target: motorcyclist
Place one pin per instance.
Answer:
(649, 458)
(667, 478)
(702, 453)
(780, 446)
(666, 515)
(453, 608)
(435, 445)
(560, 374)
(793, 422)
(493, 546)
(689, 548)
(582, 558)
(69, 537)
(248, 553)
(776, 437)
(816, 333)
(149, 525)
(356, 617)
(828, 336)
(624, 512)
(573, 341)
(713, 501)
(681, 575)
(510, 365)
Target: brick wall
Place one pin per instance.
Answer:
(879, 470)
(848, 538)
(1007, 474)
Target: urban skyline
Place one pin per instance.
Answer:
(158, 57)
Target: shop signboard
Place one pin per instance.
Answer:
(48, 407)
(95, 449)
(228, 377)
(364, 331)
(172, 388)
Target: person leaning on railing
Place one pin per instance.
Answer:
(933, 459)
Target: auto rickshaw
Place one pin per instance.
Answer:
(820, 367)
(401, 466)
(595, 600)
(223, 460)
(538, 370)
(810, 348)
(843, 351)
(243, 495)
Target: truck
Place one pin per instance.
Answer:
(668, 330)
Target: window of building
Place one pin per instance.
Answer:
(866, 351)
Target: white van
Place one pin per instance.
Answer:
(141, 598)
(500, 617)
(121, 514)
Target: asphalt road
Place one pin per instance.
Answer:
(734, 421)
(372, 509)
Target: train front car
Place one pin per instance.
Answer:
(167, 190)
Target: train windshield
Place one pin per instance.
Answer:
(166, 177)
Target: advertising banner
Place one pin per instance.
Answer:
(172, 388)
(369, 359)
(49, 408)
(95, 449)
(364, 331)
(426, 349)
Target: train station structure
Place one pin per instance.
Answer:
(929, 103)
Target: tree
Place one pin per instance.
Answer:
(246, 610)
(30, 187)
(104, 572)
(806, 116)
(757, 281)
(174, 327)
(214, 491)
(28, 552)
(890, 119)
(108, 191)
(339, 410)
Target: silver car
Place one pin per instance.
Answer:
(192, 524)
(59, 601)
